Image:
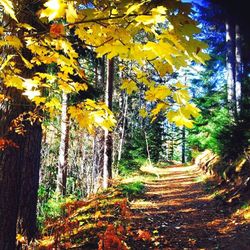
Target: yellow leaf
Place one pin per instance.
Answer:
(179, 119)
(14, 81)
(160, 10)
(65, 86)
(134, 8)
(98, 214)
(71, 14)
(9, 57)
(158, 108)
(143, 113)
(160, 93)
(20, 238)
(38, 100)
(55, 9)
(47, 241)
(181, 96)
(129, 86)
(8, 8)
(14, 41)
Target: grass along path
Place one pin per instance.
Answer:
(181, 215)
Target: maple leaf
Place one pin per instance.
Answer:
(13, 81)
(55, 9)
(56, 30)
(159, 92)
(71, 14)
(179, 119)
(4, 64)
(181, 96)
(8, 8)
(129, 86)
(14, 42)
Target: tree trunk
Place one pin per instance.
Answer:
(183, 148)
(230, 66)
(147, 147)
(19, 173)
(19, 164)
(63, 149)
(238, 70)
(108, 138)
(124, 118)
(26, 223)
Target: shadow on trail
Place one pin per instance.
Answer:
(183, 216)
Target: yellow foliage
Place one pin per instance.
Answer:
(71, 14)
(181, 96)
(128, 30)
(129, 86)
(54, 9)
(13, 41)
(143, 113)
(8, 8)
(157, 93)
(179, 119)
(91, 115)
(13, 81)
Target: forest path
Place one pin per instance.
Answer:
(181, 215)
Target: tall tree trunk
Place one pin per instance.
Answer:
(63, 149)
(19, 166)
(147, 147)
(19, 173)
(230, 66)
(238, 70)
(124, 118)
(108, 138)
(183, 148)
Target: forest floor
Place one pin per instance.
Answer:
(182, 215)
(175, 212)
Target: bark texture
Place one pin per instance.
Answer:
(63, 149)
(108, 138)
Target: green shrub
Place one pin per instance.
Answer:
(127, 167)
(52, 207)
(132, 189)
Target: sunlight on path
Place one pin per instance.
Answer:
(181, 214)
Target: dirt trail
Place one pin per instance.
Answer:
(182, 215)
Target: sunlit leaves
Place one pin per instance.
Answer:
(11, 41)
(54, 9)
(13, 81)
(156, 38)
(157, 93)
(143, 112)
(8, 8)
(181, 96)
(71, 14)
(129, 86)
(91, 115)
